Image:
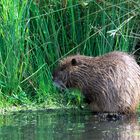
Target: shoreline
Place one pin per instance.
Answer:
(42, 107)
(31, 108)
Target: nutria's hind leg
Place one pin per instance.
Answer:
(110, 116)
(114, 116)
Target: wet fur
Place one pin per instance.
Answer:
(110, 83)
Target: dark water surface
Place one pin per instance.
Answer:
(66, 125)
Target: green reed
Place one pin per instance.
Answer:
(35, 34)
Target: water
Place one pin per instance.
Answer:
(66, 125)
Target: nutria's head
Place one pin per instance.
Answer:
(69, 71)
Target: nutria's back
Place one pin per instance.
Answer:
(110, 83)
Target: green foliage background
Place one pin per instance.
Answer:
(35, 34)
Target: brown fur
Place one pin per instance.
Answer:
(110, 83)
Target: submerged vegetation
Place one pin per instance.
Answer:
(35, 34)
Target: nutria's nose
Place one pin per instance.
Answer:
(52, 78)
(53, 75)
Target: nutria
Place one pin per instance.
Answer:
(110, 83)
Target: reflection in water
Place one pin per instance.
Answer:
(66, 125)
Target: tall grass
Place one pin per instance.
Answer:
(35, 34)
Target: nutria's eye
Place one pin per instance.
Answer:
(73, 62)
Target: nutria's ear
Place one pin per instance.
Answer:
(73, 62)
